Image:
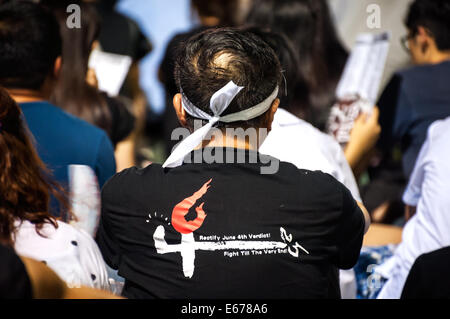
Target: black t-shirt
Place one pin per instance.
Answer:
(14, 281)
(227, 231)
(429, 277)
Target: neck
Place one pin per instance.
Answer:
(227, 141)
(440, 57)
(25, 95)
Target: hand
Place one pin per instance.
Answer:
(364, 136)
(91, 78)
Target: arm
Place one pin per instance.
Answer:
(366, 214)
(353, 223)
(363, 138)
(124, 153)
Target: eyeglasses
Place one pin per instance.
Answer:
(405, 43)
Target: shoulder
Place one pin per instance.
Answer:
(61, 120)
(130, 181)
(414, 76)
(286, 127)
(438, 255)
(316, 183)
(82, 127)
(51, 242)
(439, 129)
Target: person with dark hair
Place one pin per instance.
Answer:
(30, 62)
(218, 216)
(211, 14)
(72, 92)
(120, 34)
(414, 99)
(308, 24)
(25, 221)
(418, 96)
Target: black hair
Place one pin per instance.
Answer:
(211, 59)
(433, 15)
(308, 24)
(71, 91)
(294, 88)
(30, 43)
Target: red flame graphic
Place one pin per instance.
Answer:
(180, 211)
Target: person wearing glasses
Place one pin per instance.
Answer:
(418, 96)
(414, 98)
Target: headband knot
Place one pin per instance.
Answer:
(219, 102)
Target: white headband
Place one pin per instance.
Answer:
(219, 102)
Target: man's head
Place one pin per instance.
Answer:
(212, 59)
(30, 45)
(428, 22)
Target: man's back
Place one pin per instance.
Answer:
(64, 140)
(227, 231)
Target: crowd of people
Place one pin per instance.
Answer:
(256, 200)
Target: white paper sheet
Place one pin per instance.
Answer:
(85, 198)
(365, 66)
(111, 70)
(358, 89)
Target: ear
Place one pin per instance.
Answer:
(423, 38)
(181, 113)
(57, 67)
(273, 109)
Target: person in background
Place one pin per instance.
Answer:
(74, 94)
(413, 99)
(308, 24)
(418, 96)
(25, 221)
(121, 35)
(236, 192)
(30, 63)
(428, 206)
(210, 14)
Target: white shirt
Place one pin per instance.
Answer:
(429, 191)
(297, 142)
(71, 253)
